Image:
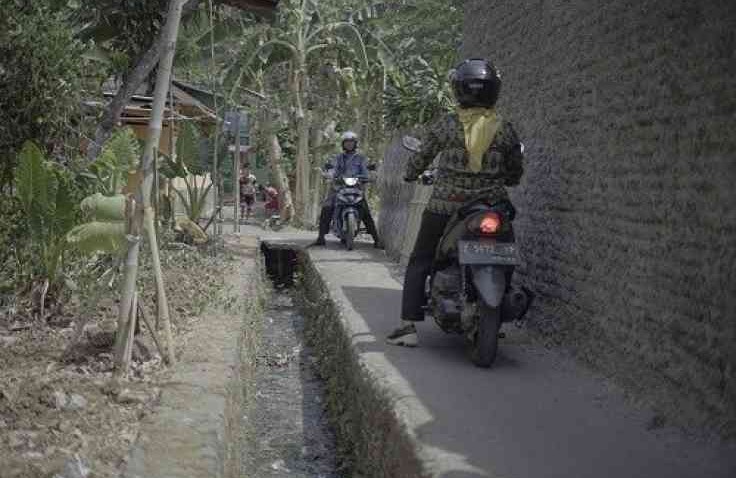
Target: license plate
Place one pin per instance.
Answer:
(488, 252)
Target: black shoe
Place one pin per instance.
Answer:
(319, 242)
(405, 336)
(378, 244)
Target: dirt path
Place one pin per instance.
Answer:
(58, 408)
(289, 436)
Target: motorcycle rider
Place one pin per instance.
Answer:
(349, 164)
(480, 155)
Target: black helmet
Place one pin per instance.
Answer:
(475, 82)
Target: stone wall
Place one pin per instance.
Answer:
(627, 212)
(402, 204)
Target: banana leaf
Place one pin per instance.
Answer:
(104, 208)
(98, 237)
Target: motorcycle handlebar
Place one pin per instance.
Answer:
(427, 177)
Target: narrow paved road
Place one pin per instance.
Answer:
(535, 414)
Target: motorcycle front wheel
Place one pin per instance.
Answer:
(484, 344)
(351, 225)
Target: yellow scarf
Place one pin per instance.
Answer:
(481, 126)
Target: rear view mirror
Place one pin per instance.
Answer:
(372, 167)
(411, 143)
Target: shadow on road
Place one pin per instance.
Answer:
(380, 309)
(534, 413)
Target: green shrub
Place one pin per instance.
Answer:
(43, 78)
(46, 196)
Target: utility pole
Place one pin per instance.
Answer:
(215, 175)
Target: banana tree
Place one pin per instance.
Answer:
(302, 32)
(416, 44)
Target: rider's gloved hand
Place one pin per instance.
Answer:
(409, 179)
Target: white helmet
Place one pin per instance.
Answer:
(349, 136)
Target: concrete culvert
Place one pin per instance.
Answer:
(281, 264)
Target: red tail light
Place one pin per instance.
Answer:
(486, 224)
(490, 224)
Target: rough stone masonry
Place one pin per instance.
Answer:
(627, 212)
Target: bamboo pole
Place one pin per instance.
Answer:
(143, 208)
(154, 335)
(128, 284)
(130, 336)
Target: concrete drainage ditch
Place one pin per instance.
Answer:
(369, 439)
(288, 428)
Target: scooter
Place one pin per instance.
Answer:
(469, 290)
(273, 222)
(347, 217)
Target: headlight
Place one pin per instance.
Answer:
(351, 181)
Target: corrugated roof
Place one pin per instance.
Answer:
(256, 6)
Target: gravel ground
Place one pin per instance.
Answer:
(290, 433)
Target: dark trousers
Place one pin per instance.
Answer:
(328, 210)
(420, 265)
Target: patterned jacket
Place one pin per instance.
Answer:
(454, 183)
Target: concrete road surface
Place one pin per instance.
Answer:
(535, 414)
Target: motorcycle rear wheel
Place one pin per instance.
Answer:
(350, 228)
(484, 345)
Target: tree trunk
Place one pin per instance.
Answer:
(279, 177)
(143, 206)
(315, 195)
(302, 151)
(133, 81)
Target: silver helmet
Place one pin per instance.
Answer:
(349, 136)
